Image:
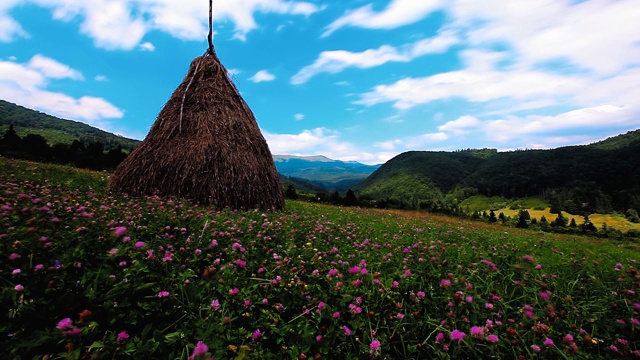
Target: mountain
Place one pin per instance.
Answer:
(56, 130)
(333, 175)
(601, 177)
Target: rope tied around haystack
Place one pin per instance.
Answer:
(210, 37)
(210, 51)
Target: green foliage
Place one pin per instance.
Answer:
(410, 189)
(35, 147)
(560, 221)
(481, 203)
(492, 217)
(350, 199)
(291, 193)
(632, 216)
(523, 216)
(534, 202)
(587, 225)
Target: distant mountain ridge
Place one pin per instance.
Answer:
(335, 175)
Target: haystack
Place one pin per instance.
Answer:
(205, 145)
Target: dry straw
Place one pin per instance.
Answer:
(205, 145)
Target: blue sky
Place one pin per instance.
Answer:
(358, 80)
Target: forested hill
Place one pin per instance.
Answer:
(56, 130)
(414, 176)
(617, 142)
(600, 177)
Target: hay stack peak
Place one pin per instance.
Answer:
(205, 145)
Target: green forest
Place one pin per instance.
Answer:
(32, 135)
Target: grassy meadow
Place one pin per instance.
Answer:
(86, 274)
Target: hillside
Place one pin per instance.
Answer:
(56, 130)
(617, 142)
(422, 176)
(601, 177)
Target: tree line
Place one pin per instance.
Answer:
(561, 224)
(89, 155)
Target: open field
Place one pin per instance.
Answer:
(88, 274)
(617, 221)
(538, 208)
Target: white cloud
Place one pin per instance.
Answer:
(9, 28)
(100, 78)
(26, 85)
(305, 142)
(338, 60)
(298, 117)
(147, 46)
(460, 125)
(599, 35)
(121, 24)
(620, 89)
(389, 145)
(478, 83)
(52, 69)
(394, 119)
(576, 121)
(262, 75)
(396, 14)
(423, 141)
(111, 24)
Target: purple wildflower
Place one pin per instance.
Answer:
(457, 335)
(347, 331)
(122, 337)
(375, 345)
(200, 350)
